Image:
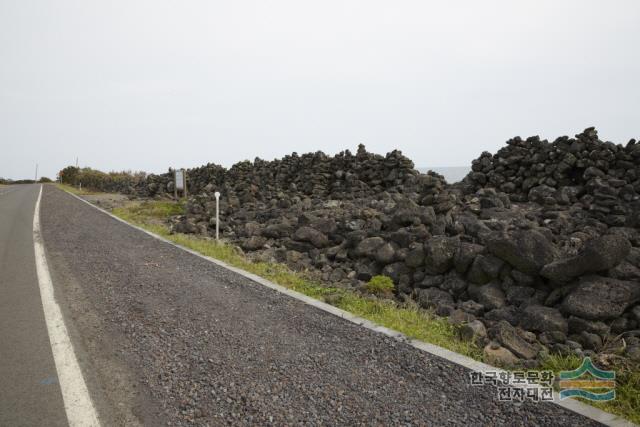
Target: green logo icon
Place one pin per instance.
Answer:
(588, 382)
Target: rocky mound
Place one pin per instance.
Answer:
(345, 175)
(602, 176)
(537, 250)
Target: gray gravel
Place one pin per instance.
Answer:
(204, 346)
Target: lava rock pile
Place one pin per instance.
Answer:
(537, 250)
(602, 176)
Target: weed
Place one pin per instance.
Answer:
(380, 285)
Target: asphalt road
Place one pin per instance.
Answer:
(29, 390)
(166, 338)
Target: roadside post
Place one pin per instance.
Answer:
(180, 182)
(217, 194)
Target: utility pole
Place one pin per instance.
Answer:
(76, 162)
(36, 173)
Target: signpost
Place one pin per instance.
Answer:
(180, 182)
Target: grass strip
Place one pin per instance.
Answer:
(75, 190)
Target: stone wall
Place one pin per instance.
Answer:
(537, 250)
(604, 177)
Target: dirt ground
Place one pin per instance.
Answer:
(107, 201)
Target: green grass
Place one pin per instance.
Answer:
(406, 318)
(380, 285)
(147, 212)
(74, 190)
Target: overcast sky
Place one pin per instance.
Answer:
(145, 85)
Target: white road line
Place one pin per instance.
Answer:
(573, 405)
(77, 402)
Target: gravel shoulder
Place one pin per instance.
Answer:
(167, 338)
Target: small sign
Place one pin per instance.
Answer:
(180, 179)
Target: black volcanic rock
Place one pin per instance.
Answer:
(601, 298)
(602, 253)
(543, 319)
(526, 250)
(516, 242)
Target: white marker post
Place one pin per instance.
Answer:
(217, 194)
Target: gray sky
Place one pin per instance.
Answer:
(145, 85)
